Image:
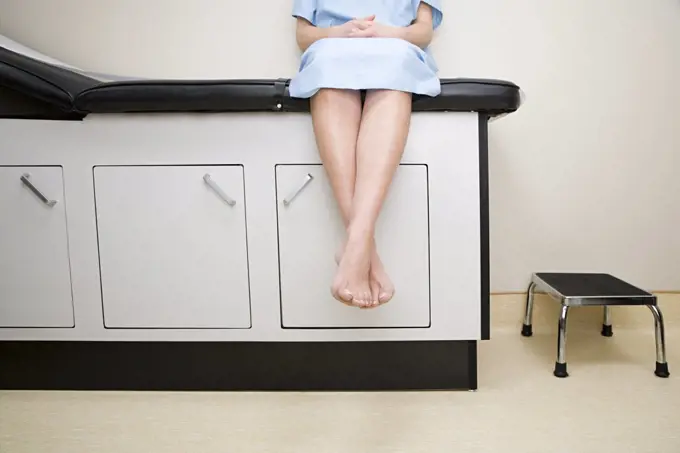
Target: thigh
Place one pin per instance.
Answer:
(386, 111)
(388, 99)
(336, 115)
(332, 100)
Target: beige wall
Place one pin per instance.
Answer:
(584, 177)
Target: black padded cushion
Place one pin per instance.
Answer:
(71, 91)
(39, 80)
(184, 96)
(467, 95)
(16, 105)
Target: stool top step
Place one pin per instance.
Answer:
(588, 286)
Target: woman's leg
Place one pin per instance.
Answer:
(382, 137)
(336, 115)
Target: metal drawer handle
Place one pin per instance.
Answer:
(26, 179)
(288, 200)
(218, 190)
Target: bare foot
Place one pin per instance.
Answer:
(382, 288)
(351, 284)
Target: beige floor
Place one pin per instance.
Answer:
(611, 403)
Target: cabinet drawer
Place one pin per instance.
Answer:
(172, 244)
(311, 230)
(35, 274)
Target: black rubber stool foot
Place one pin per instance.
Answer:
(662, 370)
(526, 330)
(561, 370)
(607, 331)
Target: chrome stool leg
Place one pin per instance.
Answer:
(607, 322)
(529, 311)
(561, 364)
(660, 336)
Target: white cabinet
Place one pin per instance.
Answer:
(310, 231)
(173, 246)
(35, 275)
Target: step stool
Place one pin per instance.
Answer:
(585, 290)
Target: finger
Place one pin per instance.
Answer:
(370, 18)
(356, 33)
(361, 24)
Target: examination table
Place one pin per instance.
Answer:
(179, 235)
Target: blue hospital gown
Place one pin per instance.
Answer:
(365, 63)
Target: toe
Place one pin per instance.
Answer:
(385, 297)
(342, 295)
(336, 294)
(346, 295)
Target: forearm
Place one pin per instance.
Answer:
(307, 34)
(418, 34)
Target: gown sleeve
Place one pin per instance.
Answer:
(437, 12)
(306, 9)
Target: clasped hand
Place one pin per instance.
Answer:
(365, 28)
